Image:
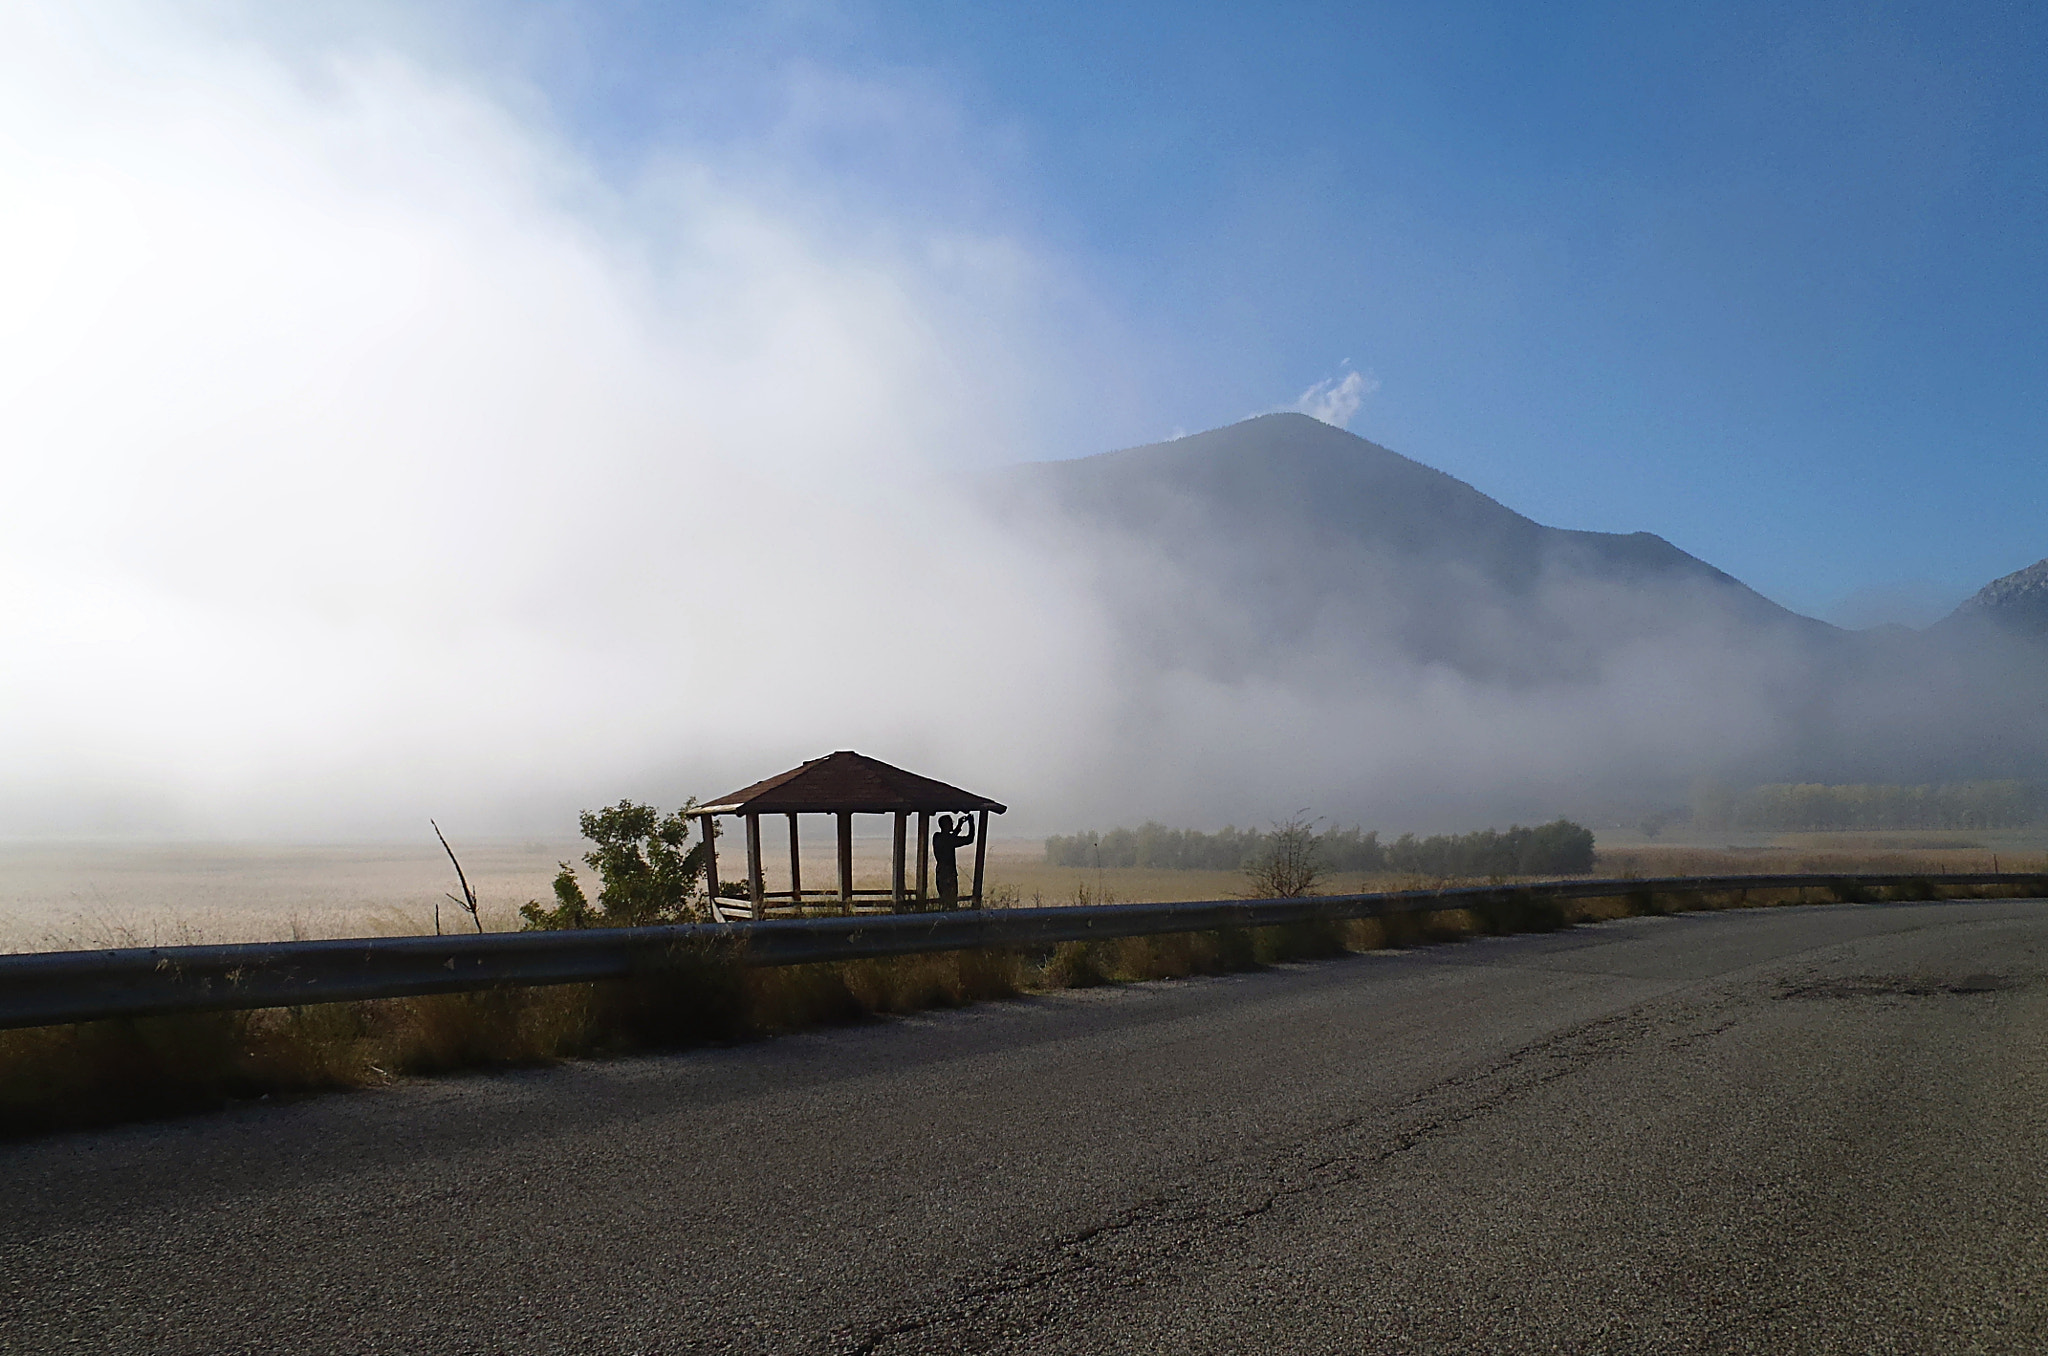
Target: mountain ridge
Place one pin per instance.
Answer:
(1281, 530)
(1223, 458)
(1281, 587)
(2015, 604)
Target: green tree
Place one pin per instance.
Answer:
(648, 872)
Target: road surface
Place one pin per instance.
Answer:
(1787, 1130)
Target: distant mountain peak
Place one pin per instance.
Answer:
(1287, 480)
(1283, 540)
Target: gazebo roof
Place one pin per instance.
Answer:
(846, 781)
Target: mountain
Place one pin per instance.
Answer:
(2016, 605)
(1233, 550)
(1283, 600)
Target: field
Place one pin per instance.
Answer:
(125, 894)
(56, 896)
(61, 895)
(1981, 850)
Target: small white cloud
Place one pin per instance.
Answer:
(1336, 400)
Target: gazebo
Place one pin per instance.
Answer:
(841, 784)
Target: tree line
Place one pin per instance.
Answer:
(1810, 807)
(1560, 848)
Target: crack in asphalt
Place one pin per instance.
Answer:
(1132, 1247)
(1901, 986)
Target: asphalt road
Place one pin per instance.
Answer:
(1790, 1130)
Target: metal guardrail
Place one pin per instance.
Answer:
(45, 988)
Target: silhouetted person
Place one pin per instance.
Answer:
(950, 836)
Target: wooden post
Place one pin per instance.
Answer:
(924, 858)
(754, 884)
(846, 861)
(796, 867)
(710, 823)
(980, 855)
(896, 862)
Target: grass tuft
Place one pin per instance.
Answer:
(1511, 913)
(1080, 965)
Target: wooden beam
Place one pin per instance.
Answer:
(796, 867)
(980, 855)
(924, 858)
(896, 859)
(846, 861)
(710, 826)
(754, 862)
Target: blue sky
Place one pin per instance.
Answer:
(1765, 279)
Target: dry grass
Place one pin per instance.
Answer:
(99, 1073)
(1824, 853)
(58, 896)
(96, 1073)
(61, 896)
(1021, 881)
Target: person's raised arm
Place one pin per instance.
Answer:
(966, 830)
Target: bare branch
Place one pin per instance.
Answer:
(469, 900)
(1287, 867)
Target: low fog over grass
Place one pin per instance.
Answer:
(378, 455)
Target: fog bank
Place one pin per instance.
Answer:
(374, 455)
(370, 453)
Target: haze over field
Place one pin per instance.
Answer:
(383, 443)
(1284, 585)
(370, 455)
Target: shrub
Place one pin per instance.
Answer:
(648, 870)
(1288, 866)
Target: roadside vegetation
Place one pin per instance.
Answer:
(647, 870)
(101, 1073)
